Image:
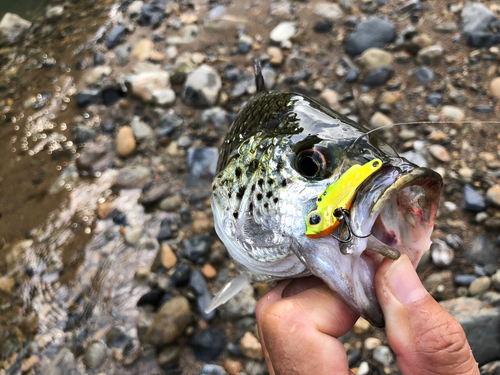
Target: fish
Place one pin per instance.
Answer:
(282, 153)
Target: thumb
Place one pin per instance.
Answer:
(425, 338)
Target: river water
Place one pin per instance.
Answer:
(28, 9)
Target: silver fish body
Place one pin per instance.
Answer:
(281, 152)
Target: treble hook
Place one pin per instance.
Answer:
(342, 215)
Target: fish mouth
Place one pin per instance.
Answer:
(400, 218)
(398, 208)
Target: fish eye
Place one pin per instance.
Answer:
(311, 163)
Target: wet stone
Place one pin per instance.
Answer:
(481, 250)
(202, 164)
(169, 355)
(83, 134)
(181, 275)
(196, 248)
(116, 337)
(203, 295)
(143, 322)
(424, 74)
(383, 355)
(95, 354)
(95, 158)
(171, 320)
(454, 241)
(116, 35)
(477, 320)
(202, 87)
(99, 59)
(165, 231)
(153, 193)
(372, 33)
(152, 14)
(442, 255)
(472, 200)
(212, 370)
(12, 27)
(208, 344)
(88, 97)
(480, 285)
(125, 141)
(152, 298)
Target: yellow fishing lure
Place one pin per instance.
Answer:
(340, 195)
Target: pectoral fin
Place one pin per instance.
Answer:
(228, 291)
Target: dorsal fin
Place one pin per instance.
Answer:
(259, 78)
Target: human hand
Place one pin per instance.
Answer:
(300, 320)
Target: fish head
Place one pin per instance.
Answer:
(282, 152)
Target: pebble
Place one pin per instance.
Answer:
(140, 129)
(202, 164)
(379, 77)
(171, 320)
(495, 280)
(324, 26)
(83, 134)
(472, 200)
(169, 354)
(452, 113)
(475, 18)
(379, 120)
(457, 96)
(134, 9)
(251, 347)
(168, 257)
(362, 326)
(275, 55)
(209, 271)
(464, 280)
(434, 99)
(203, 295)
(232, 367)
(133, 235)
(149, 85)
(241, 305)
(430, 55)
(383, 355)
(132, 177)
(202, 87)
(125, 141)
(373, 59)
(477, 318)
(372, 33)
(481, 250)
(353, 356)
(152, 14)
(446, 27)
(212, 370)
(363, 369)
(116, 35)
(424, 74)
(12, 27)
(143, 49)
(29, 363)
(440, 153)
(95, 354)
(282, 32)
(171, 204)
(97, 74)
(116, 337)
(7, 284)
(331, 98)
(208, 344)
(493, 195)
(495, 87)
(331, 11)
(372, 343)
(492, 368)
(480, 285)
(442, 255)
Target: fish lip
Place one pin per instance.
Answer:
(432, 182)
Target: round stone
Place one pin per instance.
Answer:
(125, 141)
(383, 355)
(95, 354)
(495, 87)
(480, 285)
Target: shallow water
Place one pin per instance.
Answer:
(27, 9)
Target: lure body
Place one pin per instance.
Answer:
(340, 195)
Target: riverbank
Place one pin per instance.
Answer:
(112, 117)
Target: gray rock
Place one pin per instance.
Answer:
(141, 129)
(202, 164)
(372, 33)
(472, 200)
(457, 96)
(95, 354)
(424, 75)
(481, 250)
(132, 177)
(116, 337)
(446, 27)
(12, 27)
(164, 97)
(430, 55)
(442, 255)
(242, 305)
(62, 364)
(491, 298)
(171, 204)
(83, 134)
(172, 319)
(283, 32)
(383, 355)
(216, 116)
(203, 295)
(475, 18)
(416, 158)
(95, 158)
(480, 323)
(480, 285)
(116, 35)
(202, 87)
(212, 370)
(143, 323)
(149, 85)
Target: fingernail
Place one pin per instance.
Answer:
(404, 281)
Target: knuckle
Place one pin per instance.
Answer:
(280, 316)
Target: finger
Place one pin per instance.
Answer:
(270, 297)
(300, 332)
(426, 339)
(297, 286)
